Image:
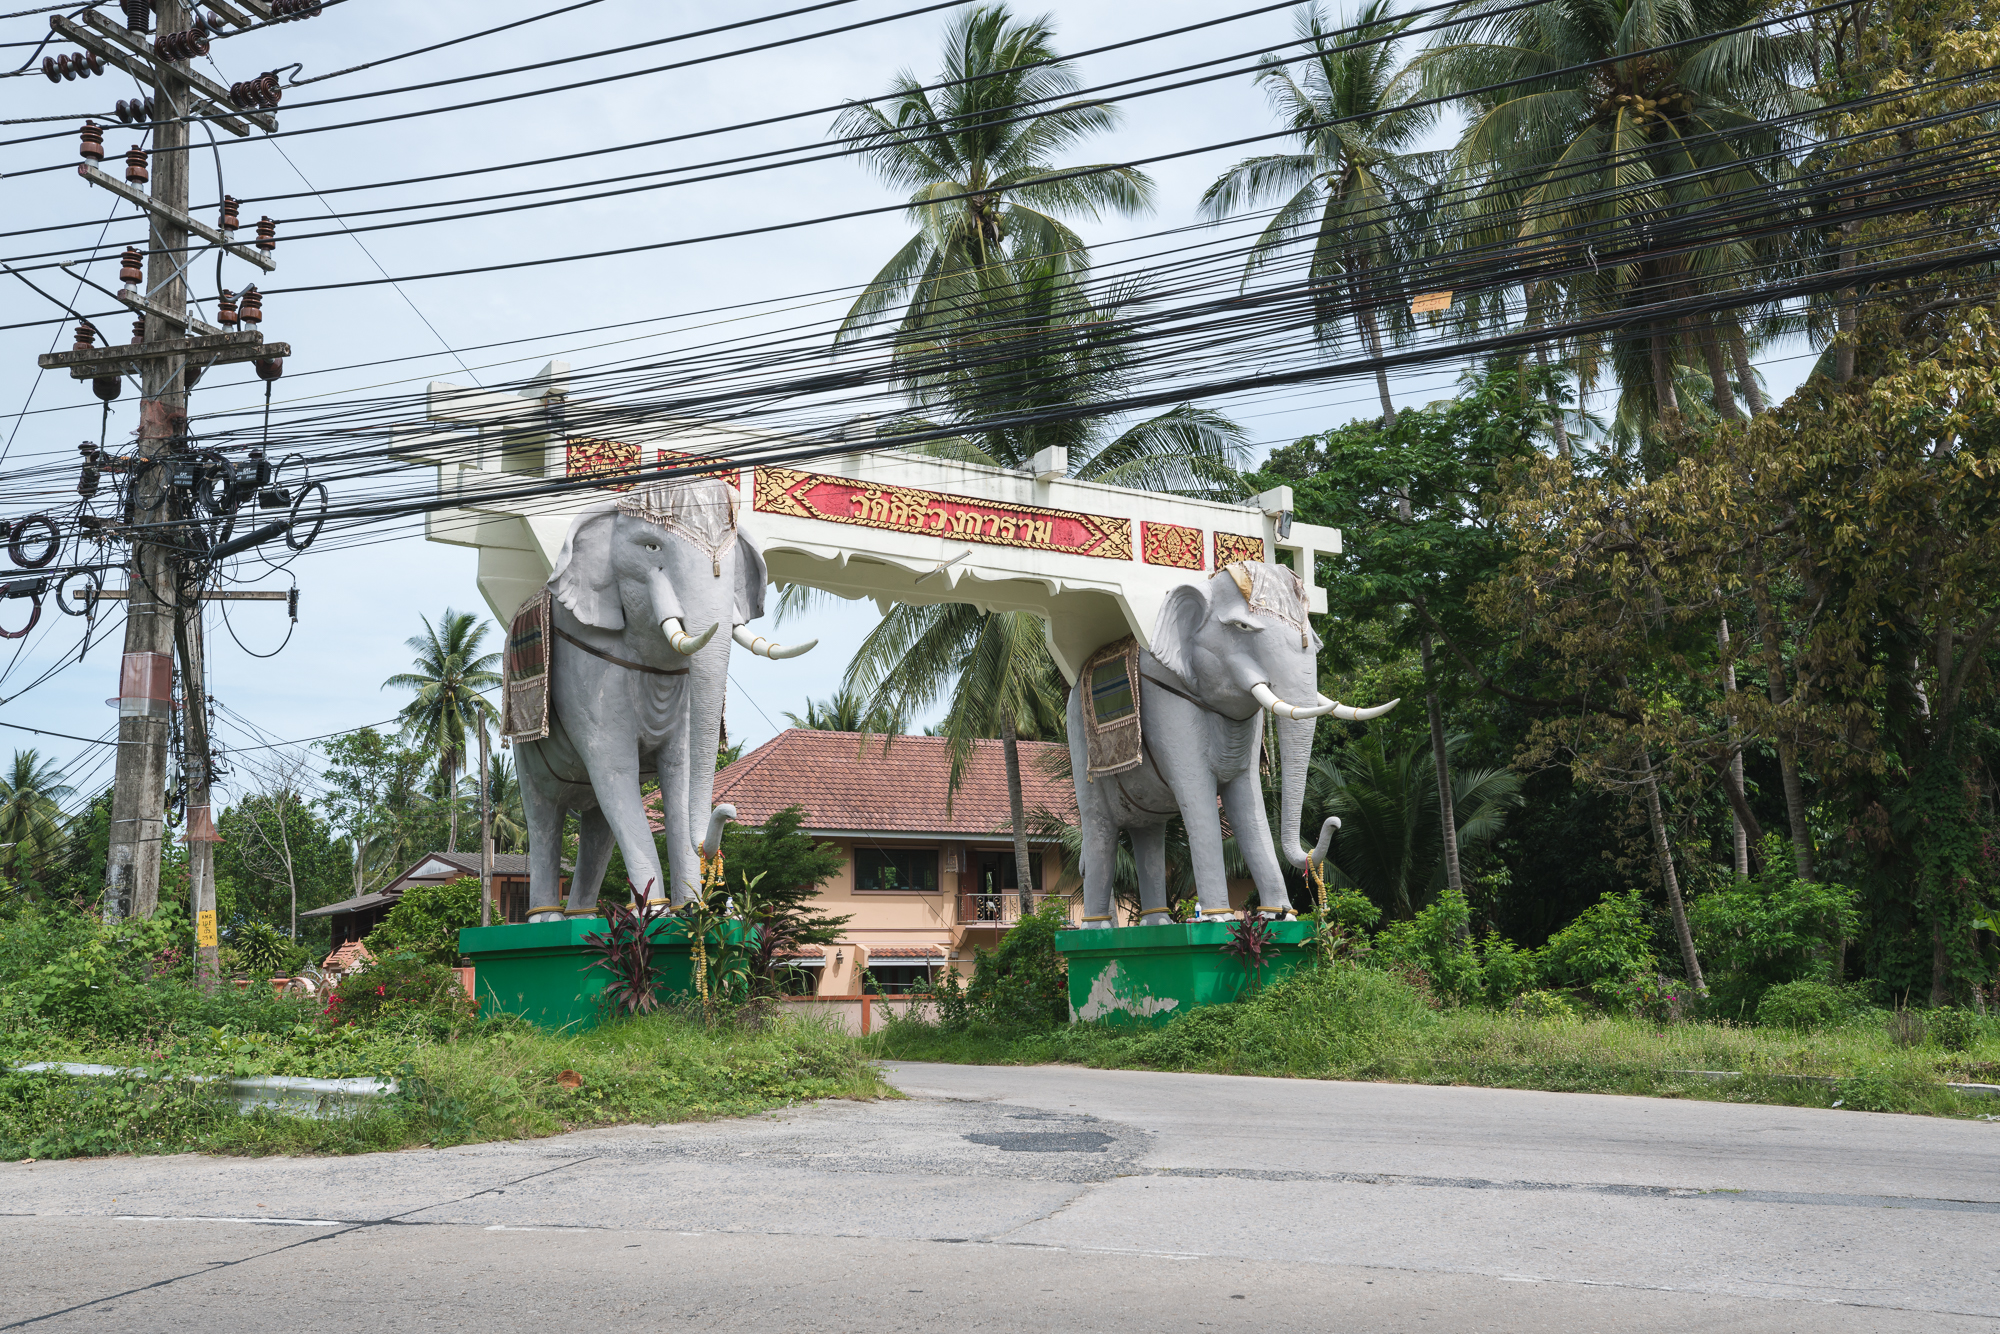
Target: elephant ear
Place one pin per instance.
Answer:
(1181, 617)
(752, 578)
(582, 579)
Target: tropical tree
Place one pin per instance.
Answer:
(450, 674)
(32, 827)
(510, 829)
(1599, 132)
(1353, 190)
(1388, 807)
(848, 710)
(978, 155)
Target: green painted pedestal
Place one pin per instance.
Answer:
(542, 970)
(1142, 976)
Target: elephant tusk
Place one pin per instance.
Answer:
(768, 648)
(681, 641)
(1261, 692)
(1354, 715)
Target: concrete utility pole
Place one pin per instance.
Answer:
(139, 789)
(171, 346)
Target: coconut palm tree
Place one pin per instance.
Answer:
(1352, 191)
(847, 710)
(1010, 388)
(1604, 163)
(32, 830)
(450, 673)
(1388, 808)
(979, 158)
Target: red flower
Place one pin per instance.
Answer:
(382, 991)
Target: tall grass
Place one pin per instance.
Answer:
(1349, 1022)
(500, 1080)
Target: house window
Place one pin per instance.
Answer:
(511, 898)
(878, 870)
(896, 978)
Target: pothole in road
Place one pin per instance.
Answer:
(1044, 1141)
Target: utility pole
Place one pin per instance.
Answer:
(139, 789)
(169, 542)
(485, 830)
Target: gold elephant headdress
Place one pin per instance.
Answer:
(1273, 590)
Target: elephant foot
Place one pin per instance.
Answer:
(546, 915)
(1099, 923)
(1159, 918)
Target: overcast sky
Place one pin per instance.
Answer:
(358, 606)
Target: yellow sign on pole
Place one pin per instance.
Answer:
(1426, 303)
(204, 930)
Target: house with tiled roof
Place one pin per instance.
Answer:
(352, 919)
(925, 880)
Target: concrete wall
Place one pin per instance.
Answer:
(858, 1015)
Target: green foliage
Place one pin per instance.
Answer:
(33, 837)
(1436, 943)
(787, 868)
(625, 950)
(1773, 928)
(1387, 802)
(272, 843)
(1337, 1016)
(264, 951)
(400, 990)
(1953, 1029)
(427, 919)
(495, 1079)
(1607, 945)
(1024, 984)
(1803, 1005)
(1506, 968)
(1543, 1005)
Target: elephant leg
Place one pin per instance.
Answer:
(1100, 866)
(1243, 798)
(621, 807)
(683, 870)
(1149, 858)
(544, 818)
(593, 854)
(1195, 795)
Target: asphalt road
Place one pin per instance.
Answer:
(1055, 1199)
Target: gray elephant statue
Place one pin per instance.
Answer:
(1159, 733)
(635, 680)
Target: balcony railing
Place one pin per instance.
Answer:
(1001, 909)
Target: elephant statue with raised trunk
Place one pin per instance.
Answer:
(632, 678)
(1168, 731)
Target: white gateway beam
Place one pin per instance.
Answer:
(1094, 561)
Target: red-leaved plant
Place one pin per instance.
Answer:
(1250, 941)
(626, 947)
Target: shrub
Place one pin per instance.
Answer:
(427, 920)
(264, 951)
(1773, 928)
(404, 989)
(1507, 969)
(1654, 997)
(1025, 984)
(1802, 1005)
(1341, 1017)
(625, 950)
(1607, 945)
(1952, 1028)
(1542, 1005)
(1436, 945)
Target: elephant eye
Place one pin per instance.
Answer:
(1247, 627)
(652, 546)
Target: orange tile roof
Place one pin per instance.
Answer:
(843, 787)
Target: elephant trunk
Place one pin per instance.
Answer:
(1295, 736)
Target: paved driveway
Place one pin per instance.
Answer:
(1055, 1199)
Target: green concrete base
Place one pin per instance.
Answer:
(542, 970)
(1142, 976)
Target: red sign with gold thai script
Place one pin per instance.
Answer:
(809, 495)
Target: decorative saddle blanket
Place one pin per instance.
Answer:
(524, 691)
(1111, 709)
